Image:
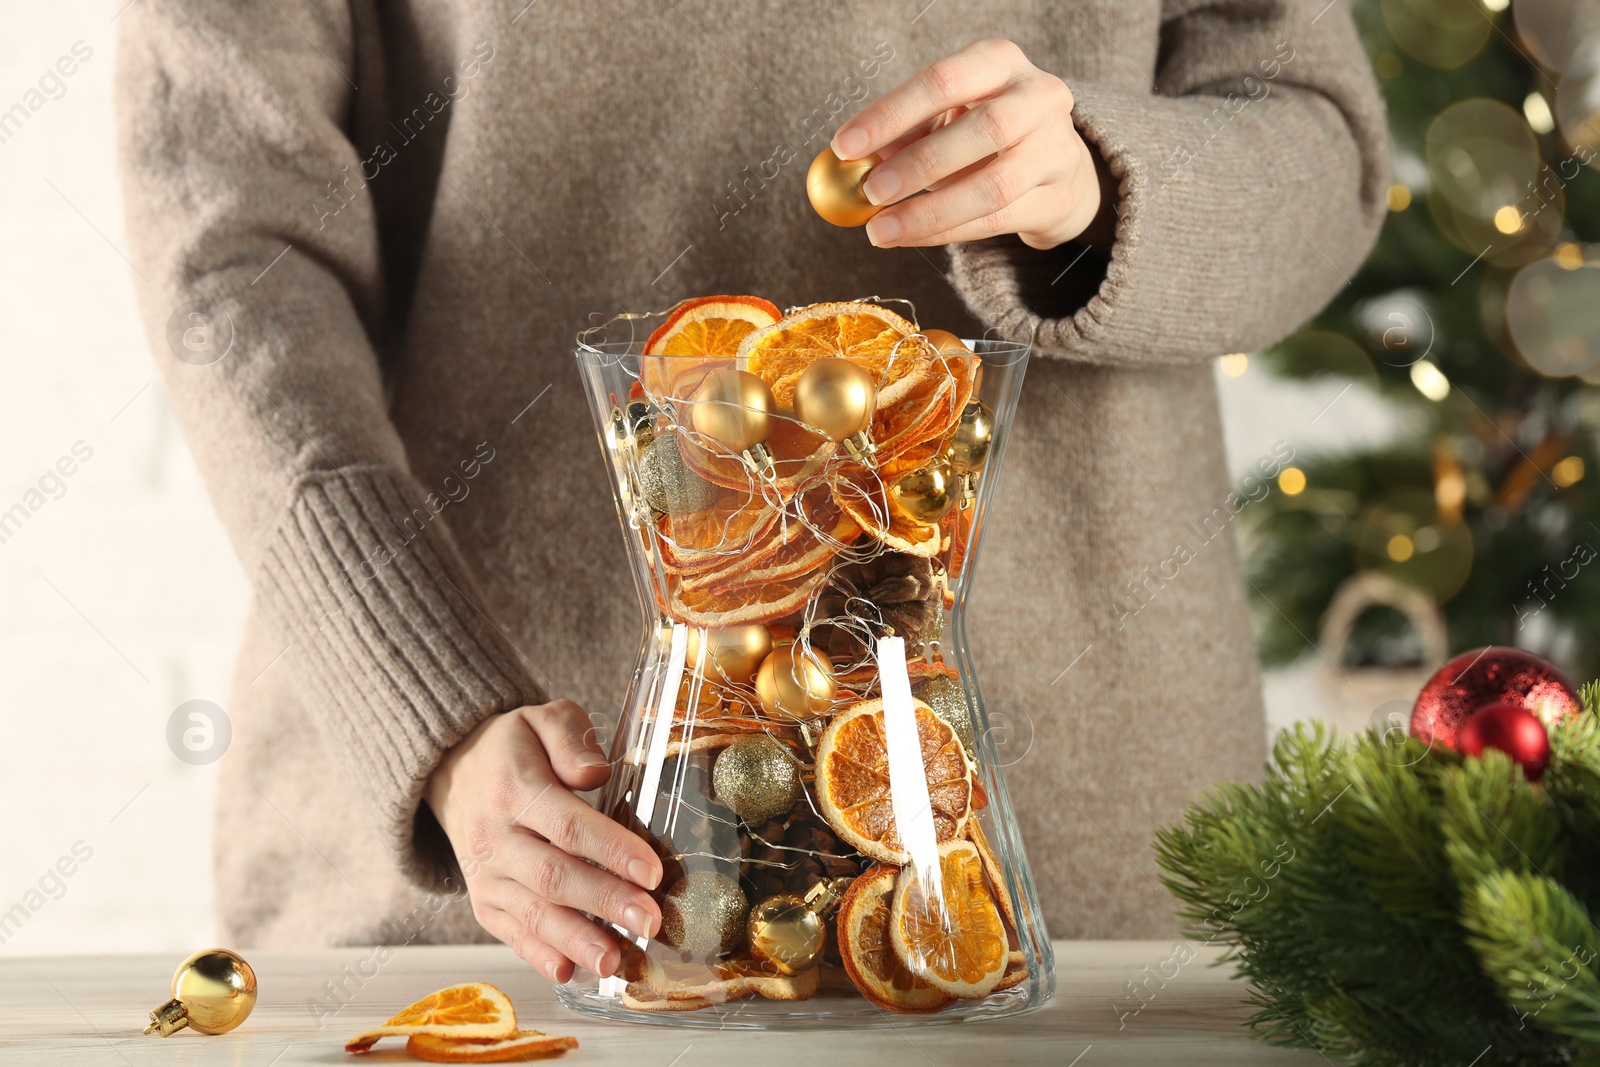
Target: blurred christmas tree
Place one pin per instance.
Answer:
(1478, 315)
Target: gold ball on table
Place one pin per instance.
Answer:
(734, 409)
(213, 991)
(834, 186)
(703, 915)
(968, 447)
(735, 651)
(667, 482)
(928, 492)
(795, 683)
(756, 778)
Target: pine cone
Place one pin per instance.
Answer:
(890, 593)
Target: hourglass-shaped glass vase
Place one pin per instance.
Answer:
(803, 742)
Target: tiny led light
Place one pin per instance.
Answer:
(1234, 364)
(1399, 197)
(1568, 472)
(1508, 219)
(1401, 548)
(1429, 380)
(1568, 256)
(1292, 480)
(1536, 109)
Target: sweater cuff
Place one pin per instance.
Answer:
(390, 644)
(1166, 263)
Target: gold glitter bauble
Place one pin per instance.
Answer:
(735, 652)
(969, 445)
(944, 695)
(834, 186)
(667, 482)
(928, 492)
(212, 992)
(702, 915)
(756, 778)
(836, 396)
(733, 408)
(795, 683)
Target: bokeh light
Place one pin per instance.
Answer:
(1292, 480)
(1554, 30)
(1404, 534)
(1578, 105)
(1429, 380)
(1568, 472)
(1485, 187)
(1553, 317)
(1234, 364)
(1399, 197)
(1441, 33)
(1536, 109)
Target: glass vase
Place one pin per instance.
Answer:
(803, 741)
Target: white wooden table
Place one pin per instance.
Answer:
(91, 1010)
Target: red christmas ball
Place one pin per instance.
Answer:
(1490, 675)
(1512, 729)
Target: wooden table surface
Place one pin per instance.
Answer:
(91, 1010)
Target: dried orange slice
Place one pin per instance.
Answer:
(696, 338)
(869, 956)
(950, 935)
(522, 1045)
(473, 1009)
(928, 411)
(852, 779)
(757, 603)
(864, 497)
(884, 343)
(992, 868)
(712, 537)
(796, 454)
(786, 553)
(1016, 971)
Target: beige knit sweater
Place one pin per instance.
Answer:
(393, 217)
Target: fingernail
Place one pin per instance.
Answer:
(550, 970)
(883, 231)
(850, 143)
(637, 920)
(592, 759)
(643, 873)
(881, 186)
(598, 962)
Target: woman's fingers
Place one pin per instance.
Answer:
(557, 877)
(575, 828)
(564, 929)
(983, 130)
(526, 944)
(994, 194)
(962, 77)
(569, 739)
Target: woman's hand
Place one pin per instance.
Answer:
(993, 136)
(504, 796)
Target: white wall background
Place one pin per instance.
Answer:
(121, 600)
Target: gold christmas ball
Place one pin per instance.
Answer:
(734, 651)
(929, 491)
(756, 778)
(969, 445)
(213, 991)
(733, 408)
(786, 932)
(667, 482)
(837, 396)
(796, 684)
(703, 914)
(945, 341)
(944, 695)
(834, 186)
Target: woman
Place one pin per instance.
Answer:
(371, 231)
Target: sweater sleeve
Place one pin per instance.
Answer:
(1251, 177)
(261, 304)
